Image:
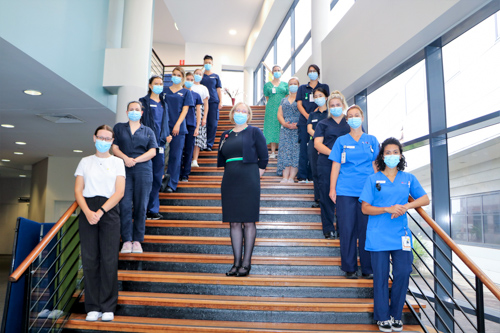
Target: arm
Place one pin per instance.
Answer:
(198, 119)
(320, 147)
(146, 156)
(281, 119)
(129, 162)
(116, 197)
(91, 216)
(310, 129)
(375, 168)
(219, 93)
(333, 181)
(394, 210)
(262, 152)
(177, 126)
(302, 110)
(205, 113)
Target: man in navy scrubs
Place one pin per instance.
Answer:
(214, 86)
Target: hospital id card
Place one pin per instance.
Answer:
(161, 150)
(311, 98)
(342, 158)
(273, 90)
(406, 243)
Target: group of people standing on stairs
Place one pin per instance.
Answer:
(117, 192)
(359, 185)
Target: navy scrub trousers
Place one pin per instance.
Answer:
(352, 225)
(187, 155)
(212, 121)
(100, 245)
(401, 270)
(158, 170)
(138, 184)
(175, 159)
(324, 169)
(313, 162)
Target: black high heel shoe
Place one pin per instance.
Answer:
(231, 272)
(246, 272)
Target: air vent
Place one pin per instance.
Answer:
(64, 118)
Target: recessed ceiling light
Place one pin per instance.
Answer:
(20, 143)
(77, 151)
(175, 25)
(7, 125)
(18, 153)
(232, 32)
(32, 92)
(5, 160)
(22, 176)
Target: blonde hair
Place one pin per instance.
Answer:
(231, 113)
(294, 78)
(336, 95)
(180, 69)
(198, 69)
(354, 106)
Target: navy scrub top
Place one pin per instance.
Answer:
(305, 94)
(134, 145)
(157, 110)
(212, 82)
(191, 115)
(330, 131)
(315, 118)
(384, 233)
(175, 102)
(358, 165)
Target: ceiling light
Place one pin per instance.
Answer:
(8, 126)
(18, 153)
(77, 151)
(5, 160)
(232, 32)
(32, 92)
(20, 143)
(175, 24)
(22, 176)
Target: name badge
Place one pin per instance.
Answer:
(380, 181)
(342, 158)
(273, 90)
(152, 105)
(161, 150)
(349, 147)
(406, 243)
(314, 121)
(311, 98)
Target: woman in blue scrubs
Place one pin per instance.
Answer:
(353, 157)
(326, 133)
(178, 100)
(214, 86)
(136, 145)
(385, 199)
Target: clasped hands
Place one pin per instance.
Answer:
(396, 210)
(290, 125)
(94, 217)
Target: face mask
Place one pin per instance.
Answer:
(320, 101)
(313, 75)
(176, 79)
(157, 89)
(134, 115)
(293, 88)
(197, 78)
(240, 118)
(188, 84)
(207, 67)
(102, 146)
(277, 75)
(391, 161)
(354, 122)
(336, 111)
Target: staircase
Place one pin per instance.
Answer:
(178, 284)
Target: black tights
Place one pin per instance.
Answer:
(237, 231)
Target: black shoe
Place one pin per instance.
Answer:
(330, 235)
(384, 326)
(245, 272)
(169, 190)
(367, 276)
(164, 182)
(153, 216)
(336, 235)
(351, 275)
(208, 149)
(184, 179)
(397, 325)
(315, 205)
(233, 271)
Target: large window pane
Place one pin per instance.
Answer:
(399, 108)
(259, 87)
(492, 229)
(284, 44)
(459, 227)
(269, 62)
(472, 73)
(302, 21)
(475, 228)
(491, 203)
(233, 81)
(303, 55)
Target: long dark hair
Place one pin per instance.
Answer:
(380, 157)
(106, 128)
(321, 90)
(151, 79)
(316, 68)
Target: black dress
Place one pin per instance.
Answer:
(240, 187)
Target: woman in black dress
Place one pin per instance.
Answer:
(244, 156)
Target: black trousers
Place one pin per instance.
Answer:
(313, 162)
(100, 244)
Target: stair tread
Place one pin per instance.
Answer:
(264, 185)
(218, 210)
(217, 196)
(225, 225)
(227, 241)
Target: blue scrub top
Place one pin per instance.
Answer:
(175, 102)
(304, 94)
(134, 145)
(384, 233)
(330, 131)
(315, 118)
(358, 165)
(212, 82)
(191, 116)
(157, 110)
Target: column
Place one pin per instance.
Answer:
(319, 28)
(248, 85)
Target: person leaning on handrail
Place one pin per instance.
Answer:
(99, 187)
(385, 199)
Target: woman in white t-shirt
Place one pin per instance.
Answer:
(99, 187)
(200, 142)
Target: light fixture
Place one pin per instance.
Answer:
(77, 151)
(175, 25)
(7, 125)
(18, 153)
(5, 160)
(20, 143)
(232, 32)
(32, 92)
(22, 176)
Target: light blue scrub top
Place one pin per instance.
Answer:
(384, 233)
(358, 165)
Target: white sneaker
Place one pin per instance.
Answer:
(136, 247)
(108, 316)
(273, 155)
(290, 180)
(194, 164)
(127, 247)
(93, 316)
(55, 314)
(284, 181)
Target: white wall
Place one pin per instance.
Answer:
(170, 54)
(222, 54)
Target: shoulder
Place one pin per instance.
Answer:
(144, 100)
(323, 85)
(119, 126)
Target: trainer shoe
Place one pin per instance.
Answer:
(108, 316)
(385, 326)
(273, 155)
(397, 325)
(136, 247)
(153, 216)
(93, 316)
(194, 164)
(126, 248)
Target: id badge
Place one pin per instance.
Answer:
(274, 90)
(311, 98)
(406, 243)
(161, 150)
(343, 158)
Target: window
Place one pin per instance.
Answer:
(283, 45)
(302, 21)
(233, 81)
(303, 55)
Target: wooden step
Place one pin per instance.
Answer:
(201, 178)
(221, 170)
(164, 239)
(218, 210)
(224, 225)
(266, 185)
(216, 196)
(148, 325)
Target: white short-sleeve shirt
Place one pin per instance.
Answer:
(99, 175)
(201, 90)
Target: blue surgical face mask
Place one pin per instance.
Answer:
(392, 161)
(336, 111)
(277, 74)
(134, 115)
(197, 78)
(188, 84)
(293, 88)
(207, 67)
(176, 79)
(320, 101)
(102, 146)
(313, 75)
(354, 122)
(240, 118)
(157, 89)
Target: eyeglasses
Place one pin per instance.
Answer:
(241, 111)
(104, 139)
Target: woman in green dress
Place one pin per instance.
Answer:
(274, 91)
